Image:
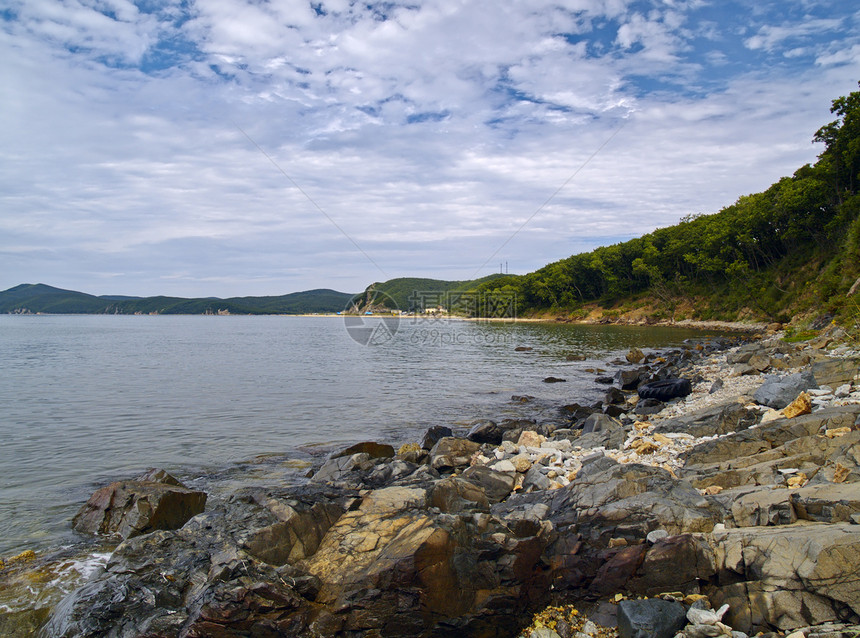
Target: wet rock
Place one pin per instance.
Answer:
(132, 508)
(371, 448)
(554, 380)
(634, 355)
(614, 396)
(647, 407)
(486, 432)
(496, 485)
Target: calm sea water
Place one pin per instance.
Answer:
(90, 399)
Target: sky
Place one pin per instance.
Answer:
(260, 147)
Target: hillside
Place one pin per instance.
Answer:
(790, 252)
(40, 298)
(414, 293)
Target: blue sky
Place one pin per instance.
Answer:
(233, 147)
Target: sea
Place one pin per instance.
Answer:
(227, 401)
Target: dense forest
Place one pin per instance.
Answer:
(790, 249)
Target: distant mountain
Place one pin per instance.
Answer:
(39, 298)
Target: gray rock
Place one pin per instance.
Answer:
(652, 618)
(486, 432)
(451, 452)
(778, 392)
(433, 434)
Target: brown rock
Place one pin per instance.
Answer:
(131, 508)
(452, 452)
(801, 405)
(371, 448)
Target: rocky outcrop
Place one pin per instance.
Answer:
(130, 508)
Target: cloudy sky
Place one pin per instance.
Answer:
(231, 147)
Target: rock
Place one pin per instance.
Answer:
(716, 386)
(601, 430)
(828, 503)
(656, 535)
(451, 452)
(801, 405)
(835, 372)
(496, 485)
(722, 418)
(371, 448)
(765, 506)
(433, 434)
(706, 616)
(614, 396)
(340, 469)
(760, 362)
(157, 475)
(653, 618)
(523, 349)
(648, 406)
(486, 432)
(543, 632)
(788, 576)
(554, 380)
(132, 508)
(629, 379)
(529, 438)
(453, 495)
(778, 392)
(634, 355)
(535, 479)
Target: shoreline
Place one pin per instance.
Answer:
(458, 503)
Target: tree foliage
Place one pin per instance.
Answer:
(747, 245)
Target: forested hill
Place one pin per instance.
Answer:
(791, 249)
(39, 298)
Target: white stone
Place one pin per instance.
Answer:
(504, 466)
(843, 391)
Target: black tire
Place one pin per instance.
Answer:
(666, 389)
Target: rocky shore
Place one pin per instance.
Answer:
(732, 510)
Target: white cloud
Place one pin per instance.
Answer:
(428, 138)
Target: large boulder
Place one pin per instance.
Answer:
(778, 392)
(785, 577)
(132, 508)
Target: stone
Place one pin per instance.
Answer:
(451, 452)
(790, 576)
(614, 396)
(496, 485)
(373, 450)
(634, 355)
(652, 618)
(340, 468)
(433, 434)
(530, 438)
(801, 405)
(722, 418)
(778, 392)
(554, 380)
(131, 508)
(454, 495)
(766, 506)
(486, 432)
(836, 371)
(827, 503)
(656, 535)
